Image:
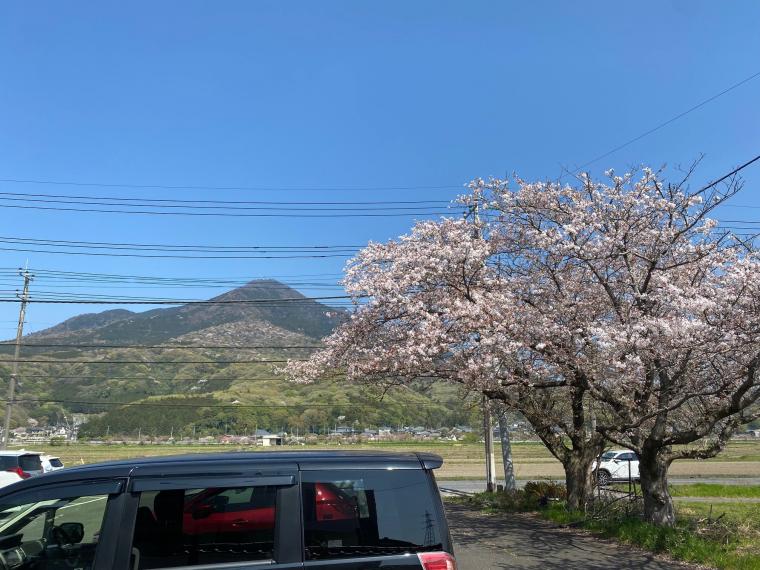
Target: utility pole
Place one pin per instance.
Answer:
(488, 438)
(487, 424)
(14, 370)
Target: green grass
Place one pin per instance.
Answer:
(745, 515)
(715, 490)
(687, 542)
(707, 490)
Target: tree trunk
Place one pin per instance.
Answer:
(658, 504)
(506, 452)
(578, 479)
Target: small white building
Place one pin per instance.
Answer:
(270, 440)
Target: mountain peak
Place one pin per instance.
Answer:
(260, 289)
(304, 317)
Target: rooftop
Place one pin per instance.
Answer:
(235, 463)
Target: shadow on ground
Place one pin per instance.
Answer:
(494, 541)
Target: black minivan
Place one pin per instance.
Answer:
(348, 510)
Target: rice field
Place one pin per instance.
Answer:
(461, 460)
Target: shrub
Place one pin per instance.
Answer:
(545, 490)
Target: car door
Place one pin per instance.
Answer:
(210, 521)
(61, 526)
(627, 466)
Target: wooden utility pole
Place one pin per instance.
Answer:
(14, 370)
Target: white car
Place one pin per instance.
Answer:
(51, 463)
(8, 478)
(616, 465)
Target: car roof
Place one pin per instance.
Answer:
(17, 452)
(219, 463)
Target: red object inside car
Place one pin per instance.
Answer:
(205, 514)
(20, 472)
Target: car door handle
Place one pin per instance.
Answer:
(238, 522)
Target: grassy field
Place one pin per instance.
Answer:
(706, 491)
(461, 460)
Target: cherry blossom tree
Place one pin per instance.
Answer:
(646, 303)
(434, 304)
(613, 310)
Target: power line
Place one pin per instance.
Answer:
(264, 282)
(180, 247)
(267, 302)
(166, 256)
(220, 204)
(183, 206)
(81, 274)
(245, 188)
(229, 214)
(70, 294)
(729, 175)
(226, 202)
(665, 123)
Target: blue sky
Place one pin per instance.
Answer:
(356, 95)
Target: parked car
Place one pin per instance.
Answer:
(287, 510)
(616, 465)
(8, 478)
(51, 463)
(23, 463)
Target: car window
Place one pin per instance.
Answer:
(52, 534)
(608, 455)
(30, 462)
(368, 513)
(188, 527)
(627, 456)
(55, 462)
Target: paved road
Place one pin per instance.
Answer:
(477, 485)
(520, 542)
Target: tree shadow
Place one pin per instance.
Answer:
(518, 541)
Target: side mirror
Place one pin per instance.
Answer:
(70, 532)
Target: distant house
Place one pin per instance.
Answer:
(271, 440)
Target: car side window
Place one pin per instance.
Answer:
(188, 527)
(53, 533)
(375, 512)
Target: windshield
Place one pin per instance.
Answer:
(607, 455)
